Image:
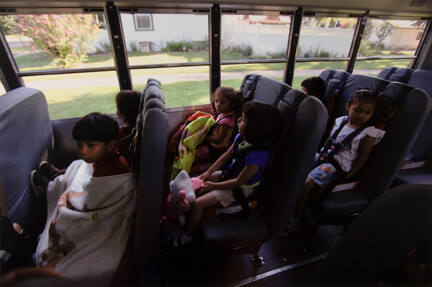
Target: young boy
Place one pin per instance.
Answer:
(314, 86)
(89, 207)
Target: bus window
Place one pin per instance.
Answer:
(151, 40)
(2, 90)
(324, 44)
(75, 95)
(253, 44)
(390, 42)
(182, 86)
(47, 46)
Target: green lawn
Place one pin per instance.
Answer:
(74, 102)
(77, 102)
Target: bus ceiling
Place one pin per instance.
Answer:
(397, 8)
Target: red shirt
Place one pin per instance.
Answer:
(112, 164)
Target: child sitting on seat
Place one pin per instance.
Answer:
(314, 86)
(89, 208)
(127, 103)
(228, 104)
(347, 149)
(247, 157)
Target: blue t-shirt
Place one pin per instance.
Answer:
(256, 157)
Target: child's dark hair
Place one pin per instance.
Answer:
(315, 86)
(127, 102)
(95, 127)
(364, 96)
(263, 123)
(234, 97)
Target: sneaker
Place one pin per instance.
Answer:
(48, 170)
(292, 226)
(39, 183)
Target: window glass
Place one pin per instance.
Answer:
(174, 38)
(2, 90)
(373, 67)
(391, 37)
(182, 86)
(326, 37)
(75, 95)
(54, 41)
(305, 70)
(232, 75)
(143, 22)
(254, 37)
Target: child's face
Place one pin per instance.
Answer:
(360, 112)
(241, 122)
(304, 90)
(221, 104)
(92, 151)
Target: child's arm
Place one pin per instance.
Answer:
(218, 134)
(245, 175)
(220, 162)
(365, 148)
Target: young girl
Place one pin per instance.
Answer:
(259, 124)
(127, 102)
(342, 158)
(228, 104)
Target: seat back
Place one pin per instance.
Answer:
(401, 130)
(26, 136)
(306, 118)
(153, 139)
(378, 241)
(401, 133)
(292, 161)
(422, 148)
(335, 81)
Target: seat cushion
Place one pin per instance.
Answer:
(421, 175)
(343, 203)
(232, 233)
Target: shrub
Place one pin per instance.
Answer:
(133, 46)
(317, 52)
(180, 46)
(103, 47)
(244, 50)
(66, 37)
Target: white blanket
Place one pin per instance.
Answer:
(88, 223)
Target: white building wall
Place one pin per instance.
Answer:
(166, 27)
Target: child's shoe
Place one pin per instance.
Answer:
(39, 183)
(182, 241)
(48, 170)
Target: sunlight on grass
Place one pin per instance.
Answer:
(76, 102)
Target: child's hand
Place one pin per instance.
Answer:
(209, 186)
(205, 175)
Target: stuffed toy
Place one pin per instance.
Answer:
(181, 197)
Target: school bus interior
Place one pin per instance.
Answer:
(391, 192)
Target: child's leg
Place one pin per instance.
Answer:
(199, 206)
(307, 188)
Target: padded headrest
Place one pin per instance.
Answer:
(401, 75)
(386, 73)
(327, 75)
(26, 135)
(288, 104)
(422, 79)
(265, 90)
(154, 103)
(334, 83)
(352, 84)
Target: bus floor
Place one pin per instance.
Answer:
(286, 262)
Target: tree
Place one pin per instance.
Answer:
(6, 23)
(65, 37)
(383, 31)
